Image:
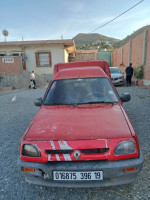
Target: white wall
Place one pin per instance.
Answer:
(13, 49)
(65, 56)
(57, 56)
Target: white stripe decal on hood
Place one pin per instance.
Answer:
(105, 142)
(63, 145)
(49, 157)
(53, 147)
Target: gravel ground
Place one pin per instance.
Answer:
(15, 118)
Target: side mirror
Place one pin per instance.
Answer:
(125, 97)
(38, 102)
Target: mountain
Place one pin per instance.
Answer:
(129, 37)
(93, 39)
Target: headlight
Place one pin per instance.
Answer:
(30, 150)
(125, 147)
(121, 77)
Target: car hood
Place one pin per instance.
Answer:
(88, 122)
(116, 75)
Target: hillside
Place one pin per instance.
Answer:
(93, 39)
(129, 37)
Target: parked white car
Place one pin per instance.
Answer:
(117, 76)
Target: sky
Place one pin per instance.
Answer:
(54, 19)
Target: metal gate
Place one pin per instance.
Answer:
(103, 55)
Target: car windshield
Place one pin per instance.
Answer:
(80, 91)
(115, 71)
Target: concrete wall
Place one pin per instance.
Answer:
(113, 58)
(84, 55)
(118, 57)
(22, 81)
(136, 51)
(126, 54)
(147, 63)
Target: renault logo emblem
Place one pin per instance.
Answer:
(77, 155)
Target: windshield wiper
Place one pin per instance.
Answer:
(80, 103)
(95, 102)
(59, 104)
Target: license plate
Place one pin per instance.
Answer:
(77, 176)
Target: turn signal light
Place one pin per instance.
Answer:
(131, 169)
(28, 169)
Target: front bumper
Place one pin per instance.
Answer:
(118, 81)
(113, 172)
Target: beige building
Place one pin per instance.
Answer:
(40, 56)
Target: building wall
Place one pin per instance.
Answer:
(126, 54)
(66, 57)
(10, 68)
(113, 58)
(135, 52)
(9, 49)
(57, 56)
(13, 73)
(84, 55)
(118, 57)
(147, 64)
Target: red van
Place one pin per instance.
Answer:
(81, 136)
(97, 63)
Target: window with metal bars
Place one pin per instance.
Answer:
(43, 59)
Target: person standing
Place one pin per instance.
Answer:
(32, 79)
(129, 74)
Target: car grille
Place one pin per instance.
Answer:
(102, 150)
(69, 151)
(84, 151)
(114, 79)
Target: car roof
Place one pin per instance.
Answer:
(82, 72)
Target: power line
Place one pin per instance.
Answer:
(114, 18)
